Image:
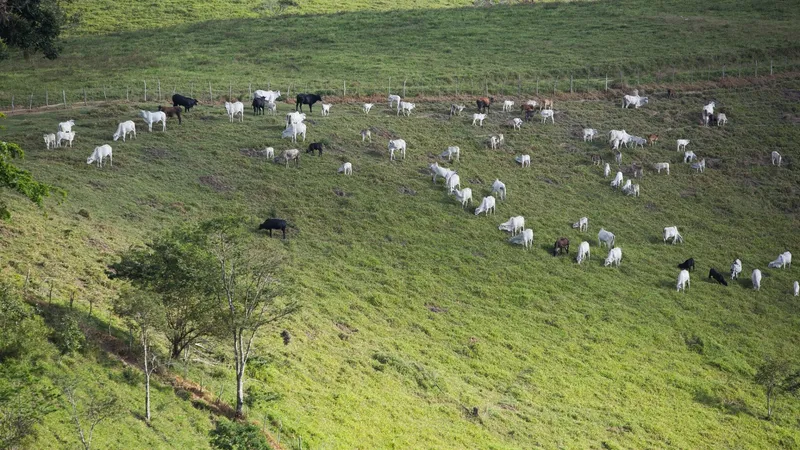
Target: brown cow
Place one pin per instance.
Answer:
(652, 138)
(561, 246)
(171, 111)
(547, 103)
(483, 103)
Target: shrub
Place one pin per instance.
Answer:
(237, 436)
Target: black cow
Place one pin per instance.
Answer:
(259, 103)
(315, 146)
(186, 102)
(561, 246)
(483, 104)
(687, 265)
(274, 224)
(306, 99)
(717, 276)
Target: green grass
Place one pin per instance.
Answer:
(551, 353)
(434, 50)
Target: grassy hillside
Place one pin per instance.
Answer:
(434, 50)
(416, 312)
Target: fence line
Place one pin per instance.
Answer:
(507, 84)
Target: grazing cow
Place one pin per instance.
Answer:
(709, 108)
(295, 117)
(438, 171)
(326, 109)
(154, 117)
(366, 134)
(274, 224)
(487, 205)
(584, 252)
(525, 160)
(672, 233)
(394, 99)
(306, 99)
(529, 112)
(235, 108)
(736, 268)
(66, 126)
(614, 257)
(515, 123)
(455, 110)
(796, 288)
(450, 152)
(605, 237)
(397, 145)
(464, 196)
(483, 104)
(638, 172)
(270, 152)
(496, 141)
(525, 238)
(259, 104)
(293, 130)
(607, 170)
(717, 276)
(683, 280)
(548, 114)
(687, 265)
(756, 279)
(669, 93)
(631, 189)
(661, 166)
(405, 108)
(347, 168)
(682, 143)
(652, 139)
(634, 100)
(171, 111)
(700, 166)
(597, 160)
(292, 154)
(783, 260)
(452, 182)
(637, 140)
(269, 96)
(722, 119)
(477, 117)
(514, 225)
(68, 136)
(186, 102)
(547, 104)
(507, 105)
(314, 146)
(125, 128)
(500, 188)
(582, 224)
(689, 156)
(618, 157)
(528, 104)
(589, 134)
(787, 258)
(272, 108)
(561, 246)
(99, 154)
(617, 181)
(366, 107)
(50, 140)
(776, 158)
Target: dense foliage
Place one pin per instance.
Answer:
(32, 26)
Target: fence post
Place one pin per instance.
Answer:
(638, 80)
(344, 88)
(486, 86)
(756, 68)
(389, 87)
(404, 88)
(770, 67)
(210, 93)
(145, 90)
(46, 99)
(230, 90)
(159, 88)
(84, 97)
(30, 104)
(723, 72)
(570, 83)
(250, 89)
(127, 93)
(606, 82)
(191, 89)
(12, 103)
(64, 97)
(105, 98)
(519, 86)
(537, 85)
(554, 86)
(587, 80)
(673, 74)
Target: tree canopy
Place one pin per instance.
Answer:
(32, 26)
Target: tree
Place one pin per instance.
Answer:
(178, 268)
(248, 290)
(144, 313)
(775, 375)
(19, 180)
(31, 26)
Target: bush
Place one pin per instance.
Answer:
(67, 334)
(237, 436)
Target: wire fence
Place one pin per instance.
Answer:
(158, 90)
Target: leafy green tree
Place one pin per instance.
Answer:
(237, 436)
(32, 26)
(19, 180)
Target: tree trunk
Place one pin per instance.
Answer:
(147, 370)
(239, 362)
(239, 391)
(769, 404)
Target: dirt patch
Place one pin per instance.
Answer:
(406, 190)
(436, 309)
(156, 153)
(215, 182)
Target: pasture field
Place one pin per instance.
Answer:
(417, 313)
(435, 50)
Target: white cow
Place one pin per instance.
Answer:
(638, 140)
(478, 118)
(99, 154)
(548, 114)
(634, 100)
(584, 252)
(124, 129)
(607, 170)
(50, 140)
(525, 160)
(452, 181)
(617, 181)
(293, 130)
(689, 156)
(525, 238)
(722, 119)
(736, 268)
(682, 143)
(439, 171)
(367, 107)
(405, 108)
(614, 257)
(68, 136)
(709, 108)
(496, 141)
(589, 134)
(397, 145)
(605, 237)
(394, 99)
(507, 105)
(270, 152)
(582, 224)
(464, 196)
(756, 278)
(291, 154)
(272, 108)
(700, 166)
(516, 123)
(776, 158)
(661, 166)
(295, 117)
(326, 109)
(626, 186)
(783, 260)
(796, 288)
(233, 109)
(487, 205)
(632, 190)
(515, 225)
(500, 188)
(683, 280)
(269, 96)
(451, 152)
(617, 135)
(456, 109)
(66, 126)
(672, 233)
(154, 117)
(347, 168)
(366, 134)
